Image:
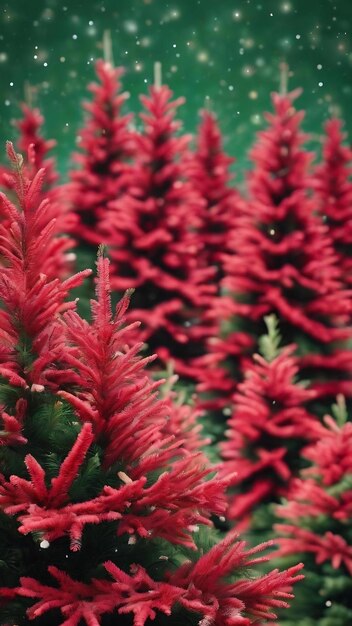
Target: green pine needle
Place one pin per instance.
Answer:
(339, 410)
(269, 344)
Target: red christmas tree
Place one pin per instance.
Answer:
(208, 170)
(30, 137)
(283, 262)
(36, 149)
(99, 506)
(31, 293)
(267, 429)
(333, 185)
(106, 145)
(154, 246)
(317, 524)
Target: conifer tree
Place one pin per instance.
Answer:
(283, 262)
(106, 146)
(154, 246)
(208, 170)
(333, 185)
(32, 143)
(316, 523)
(30, 137)
(267, 430)
(99, 504)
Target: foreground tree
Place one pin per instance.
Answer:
(99, 503)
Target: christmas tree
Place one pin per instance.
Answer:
(283, 263)
(31, 140)
(154, 245)
(317, 525)
(30, 136)
(106, 146)
(36, 151)
(333, 186)
(267, 430)
(208, 170)
(99, 505)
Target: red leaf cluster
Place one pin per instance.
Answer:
(152, 234)
(266, 432)
(319, 505)
(31, 293)
(333, 185)
(106, 145)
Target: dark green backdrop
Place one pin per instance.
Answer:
(222, 51)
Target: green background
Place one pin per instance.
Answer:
(221, 52)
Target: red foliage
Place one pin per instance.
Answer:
(321, 499)
(202, 588)
(118, 399)
(333, 184)
(267, 430)
(31, 294)
(163, 490)
(208, 171)
(283, 260)
(31, 138)
(32, 143)
(154, 247)
(106, 145)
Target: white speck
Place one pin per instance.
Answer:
(174, 45)
(74, 36)
(7, 103)
(320, 84)
(62, 59)
(130, 26)
(271, 14)
(11, 84)
(231, 87)
(35, 56)
(319, 66)
(298, 36)
(67, 124)
(44, 544)
(202, 56)
(90, 23)
(45, 64)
